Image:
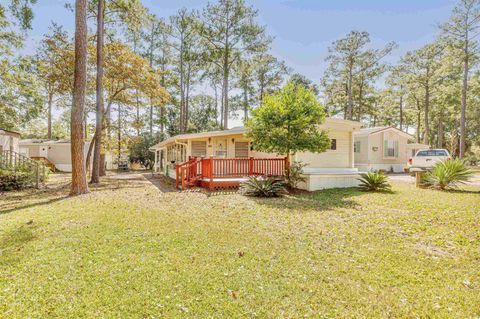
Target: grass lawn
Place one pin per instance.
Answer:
(129, 251)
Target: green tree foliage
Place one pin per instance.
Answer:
(287, 122)
(353, 67)
(230, 33)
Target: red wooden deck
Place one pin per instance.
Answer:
(225, 173)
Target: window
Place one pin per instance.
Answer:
(432, 153)
(11, 144)
(356, 147)
(199, 148)
(390, 148)
(241, 149)
(334, 144)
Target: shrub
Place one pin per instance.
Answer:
(372, 182)
(10, 180)
(448, 174)
(294, 176)
(263, 187)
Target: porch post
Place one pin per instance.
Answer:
(250, 166)
(176, 175)
(211, 172)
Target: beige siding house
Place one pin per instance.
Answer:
(333, 168)
(55, 152)
(9, 141)
(383, 148)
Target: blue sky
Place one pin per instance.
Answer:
(303, 29)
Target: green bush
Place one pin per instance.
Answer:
(372, 182)
(294, 176)
(258, 186)
(448, 174)
(15, 180)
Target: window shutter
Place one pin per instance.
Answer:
(395, 145)
(199, 148)
(241, 149)
(385, 148)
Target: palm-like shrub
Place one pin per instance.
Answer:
(372, 182)
(294, 174)
(448, 174)
(263, 187)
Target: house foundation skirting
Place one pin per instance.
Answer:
(395, 168)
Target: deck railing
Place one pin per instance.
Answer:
(207, 169)
(14, 161)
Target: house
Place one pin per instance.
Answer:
(383, 148)
(54, 153)
(9, 141)
(224, 158)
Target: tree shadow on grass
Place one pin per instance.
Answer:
(319, 201)
(17, 200)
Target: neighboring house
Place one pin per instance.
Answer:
(231, 149)
(383, 148)
(9, 141)
(55, 154)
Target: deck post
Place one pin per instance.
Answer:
(176, 175)
(250, 166)
(210, 184)
(287, 166)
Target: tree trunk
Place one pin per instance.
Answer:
(182, 88)
(79, 179)
(137, 106)
(97, 140)
(225, 95)
(425, 118)
(119, 134)
(245, 103)
(360, 101)
(49, 129)
(419, 120)
(401, 109)
(349, 115)
(464, 101)
(440, 136)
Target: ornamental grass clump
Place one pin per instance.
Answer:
(374, 182)
(259, 186)
(448, 174)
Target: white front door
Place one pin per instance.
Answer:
(221, 147)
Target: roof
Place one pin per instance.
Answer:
(233, 131)
(44, 142)
(375, 130)
(2, 131)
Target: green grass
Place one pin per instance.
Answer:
(128, 251)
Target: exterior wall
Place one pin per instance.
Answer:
(396, 168)
(9, 142)
(33, 150)
(362, 156)
(376, 140)
(339, 158)
(59, 154)
(315, 182)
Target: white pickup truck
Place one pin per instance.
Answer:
(426, 159)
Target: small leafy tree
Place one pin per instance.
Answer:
(287, 122)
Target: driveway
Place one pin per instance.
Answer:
(406, 178)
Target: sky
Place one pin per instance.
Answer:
(303, 29)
